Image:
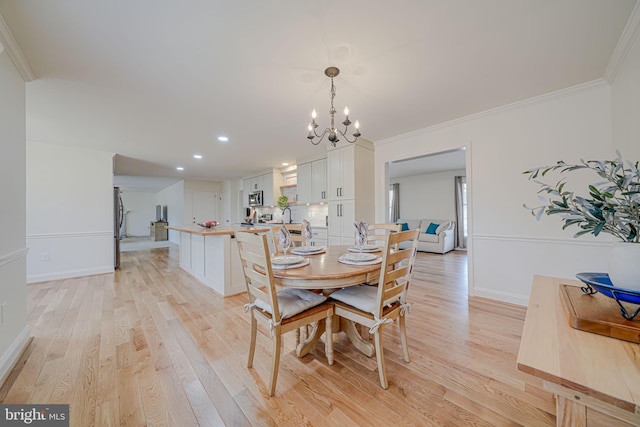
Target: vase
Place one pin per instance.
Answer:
(624, 265)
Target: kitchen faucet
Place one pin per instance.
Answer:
(287, 209)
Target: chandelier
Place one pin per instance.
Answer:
(332, 132)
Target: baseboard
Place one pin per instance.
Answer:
(501, 296)
(10, 357)
(69, 274)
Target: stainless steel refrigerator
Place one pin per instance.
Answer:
(118, 217)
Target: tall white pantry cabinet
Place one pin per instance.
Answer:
(350, 173)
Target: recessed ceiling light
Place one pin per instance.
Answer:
(285, 164)
(197, 156)
(180, 168)
(223, 139)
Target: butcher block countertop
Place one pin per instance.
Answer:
(214, 231)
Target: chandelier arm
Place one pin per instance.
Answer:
(321, 136)
(344, 135)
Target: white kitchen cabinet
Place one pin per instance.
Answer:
(341, 170)
(341, 219)
(319, 236)
(350, 170)
(304, 183)
(268, 183)
(246, 189)
(319, 180)
(312, 181)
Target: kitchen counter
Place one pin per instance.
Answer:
(216, 231)
(211, 256)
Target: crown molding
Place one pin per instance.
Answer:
(627, 38)
(513, 105)
(13, 50)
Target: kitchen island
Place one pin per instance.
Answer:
(211, 256)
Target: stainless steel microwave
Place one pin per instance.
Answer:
(255, 198)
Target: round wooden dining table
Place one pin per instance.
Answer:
(324, 272)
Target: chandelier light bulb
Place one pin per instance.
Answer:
(346, 110)
(357, 125)
(310, 127)
(313, 114)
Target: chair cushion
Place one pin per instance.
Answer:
(361, 297)
(293, 301)
(431, 229)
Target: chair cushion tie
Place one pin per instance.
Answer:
(377, 324)
(272, 325)
(405, 308)
(248, 307)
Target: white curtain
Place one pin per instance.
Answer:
(394, 205)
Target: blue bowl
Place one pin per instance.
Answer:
(602, 283)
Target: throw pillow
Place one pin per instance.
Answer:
(431, 229)
(404, 225)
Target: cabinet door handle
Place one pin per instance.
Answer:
(337, 191)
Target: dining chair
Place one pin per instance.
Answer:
(377, 232)
(377, 306)
(280, 312)
(296, 234)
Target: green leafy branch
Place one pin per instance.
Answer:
(612, 206)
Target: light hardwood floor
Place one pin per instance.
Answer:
(149, 345)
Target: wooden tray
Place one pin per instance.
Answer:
(598, 314)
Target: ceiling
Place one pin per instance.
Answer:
(157, 81)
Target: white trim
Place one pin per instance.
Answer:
(492, 111)
(625, 42)
(543, 240)
(501, 296)
(15, 53)
(70, 274)
(10, 357)
(13, 256)
(66, 235)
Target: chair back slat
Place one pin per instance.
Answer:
(254, 251)
(378, 232)
(397, 266)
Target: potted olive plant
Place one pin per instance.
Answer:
(610, 206)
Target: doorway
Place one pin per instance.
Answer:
(205, 206)
(431, 186)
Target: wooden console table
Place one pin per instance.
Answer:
(596, 379)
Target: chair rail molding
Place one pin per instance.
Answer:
(543, 240)
(13, 256)
(67, 235)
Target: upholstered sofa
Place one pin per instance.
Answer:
(436, 235)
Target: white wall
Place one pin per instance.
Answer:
(506, 245)
(173, 198)
(14, 331)
(626, 104)
(429, 195)
(140, 210)
(191, 187)
(69, 212)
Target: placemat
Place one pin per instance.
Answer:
(598, 314)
